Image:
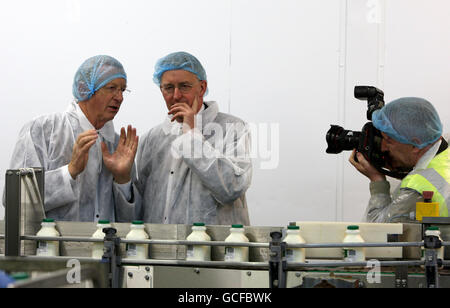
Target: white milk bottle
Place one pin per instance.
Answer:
(48, 248)
(137, 232)
(293, 237)
(97, 247)
(354, 254)
(436, 232)
(236, 253)
(197, 252)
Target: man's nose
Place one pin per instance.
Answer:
(177, 93)
(118, 95)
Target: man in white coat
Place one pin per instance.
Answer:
(195, 166)
(83, 180)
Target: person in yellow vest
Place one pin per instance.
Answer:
(412, 140)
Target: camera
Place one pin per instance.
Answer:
(368, 140)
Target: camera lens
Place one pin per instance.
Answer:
(339, 139)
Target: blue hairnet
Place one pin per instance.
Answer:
(95, 73)
(409, 120)
(178, 61)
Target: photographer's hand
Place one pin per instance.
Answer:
(363, 166)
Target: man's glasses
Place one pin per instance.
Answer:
(170, 88)
(113, 90)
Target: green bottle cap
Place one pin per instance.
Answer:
(434, 228)
(137, 222)
(20, 276)
(353, 228)
(237, 226)
(293, 228)
(199, 224)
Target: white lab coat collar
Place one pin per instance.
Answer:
(204, 116)
(107, 131)
(425, 160)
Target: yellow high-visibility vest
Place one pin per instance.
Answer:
(435, 178)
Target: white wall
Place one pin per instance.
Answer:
(288, 65)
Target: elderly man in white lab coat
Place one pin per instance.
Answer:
(89, 169)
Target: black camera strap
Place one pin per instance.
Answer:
(443, 147)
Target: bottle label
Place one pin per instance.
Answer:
(229, 253)
(353, 255)
(45, 248)
(190, 251)
(295, 255)
(290, 255)
(131, 250)
(42, 247)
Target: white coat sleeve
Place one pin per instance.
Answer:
(128, 200)
(384, 208)
(29, 152)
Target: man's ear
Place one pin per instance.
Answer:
(415, 150)
(204, 86)
(416, 141)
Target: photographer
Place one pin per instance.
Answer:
(412, 141)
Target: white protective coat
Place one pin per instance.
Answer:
(200, 176)
(47, 142)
